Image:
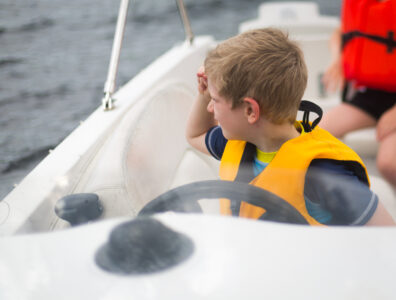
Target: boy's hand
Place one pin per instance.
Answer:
(200, 119)
(202, 81)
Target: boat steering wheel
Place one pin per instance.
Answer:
(185, 197)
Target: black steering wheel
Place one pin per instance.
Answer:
(185, 197)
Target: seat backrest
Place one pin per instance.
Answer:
(147, 153)
(158, 156)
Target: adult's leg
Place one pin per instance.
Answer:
(386, 158)
(345, 118)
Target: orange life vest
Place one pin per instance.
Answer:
(369, 45)
(285, 174)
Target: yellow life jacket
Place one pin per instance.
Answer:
(285, 174)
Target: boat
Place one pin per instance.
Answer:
(68, 229)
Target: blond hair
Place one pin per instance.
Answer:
(262, 64)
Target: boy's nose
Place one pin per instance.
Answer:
(210, 106)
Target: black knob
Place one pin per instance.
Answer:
(141, 246)
(79, 208)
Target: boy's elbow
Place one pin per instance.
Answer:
(198, 143)
(189, 137)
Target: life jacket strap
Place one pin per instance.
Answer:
(388, 41)
(245, 174)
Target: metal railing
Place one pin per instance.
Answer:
(186, 21)
(109, 87)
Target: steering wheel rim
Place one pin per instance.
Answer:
(185, 199)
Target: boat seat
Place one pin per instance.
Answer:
(147, 153)
(298, 17)
(159, 157)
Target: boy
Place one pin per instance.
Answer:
(250, 90)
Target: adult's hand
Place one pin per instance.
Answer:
(333, 78)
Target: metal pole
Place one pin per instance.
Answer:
(109, 86)
(186, 21)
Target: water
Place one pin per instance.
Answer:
(54, 57)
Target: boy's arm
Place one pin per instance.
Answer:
(200, 119)
(381, 217)
(339, 192)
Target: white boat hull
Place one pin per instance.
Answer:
(233, 259)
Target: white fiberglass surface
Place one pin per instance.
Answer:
(232, 259)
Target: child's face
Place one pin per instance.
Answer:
(231, 120)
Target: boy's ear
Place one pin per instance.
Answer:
(252, 110)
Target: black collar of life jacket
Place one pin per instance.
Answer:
(307, 107)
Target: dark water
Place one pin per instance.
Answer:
(54, 56)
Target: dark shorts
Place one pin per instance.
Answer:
(373, 102)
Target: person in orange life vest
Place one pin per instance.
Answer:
(250, 90)
(364, 66)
